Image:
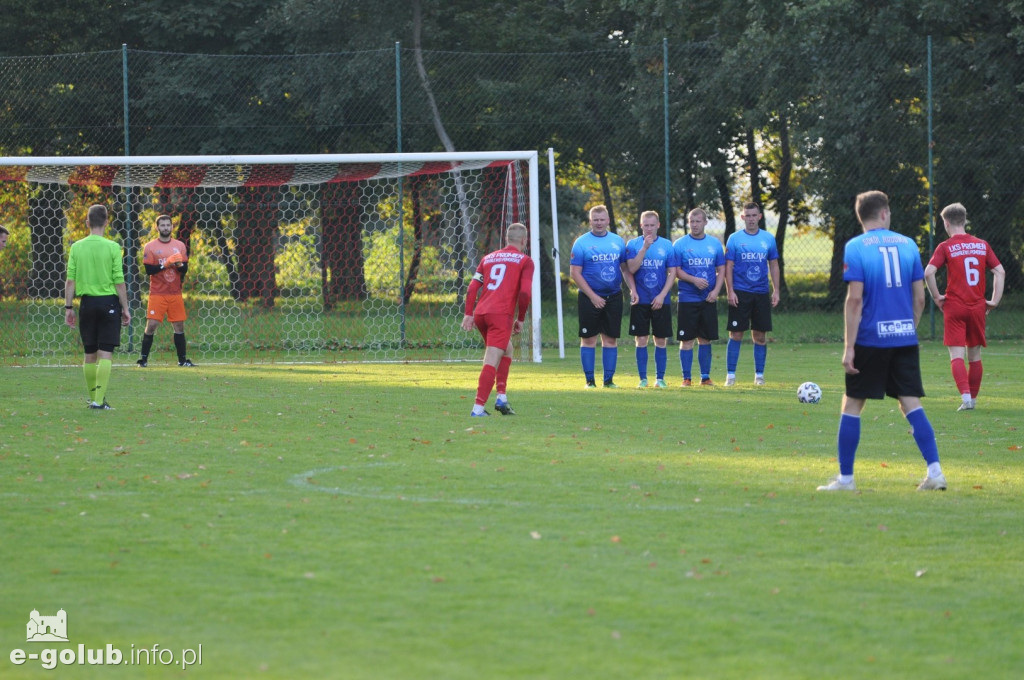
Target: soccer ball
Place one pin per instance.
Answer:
(808, 393)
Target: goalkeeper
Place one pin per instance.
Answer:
(166, 262)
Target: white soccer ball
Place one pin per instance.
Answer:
(808, 393)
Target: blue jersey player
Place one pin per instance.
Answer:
(884, 301)
(596, 266)
(751, 257)
(651, 261)
(700, 262)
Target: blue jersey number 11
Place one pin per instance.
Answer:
(891, 258)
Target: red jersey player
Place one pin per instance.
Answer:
(505, 276)
(964, 305)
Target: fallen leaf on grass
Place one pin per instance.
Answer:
(535, 535)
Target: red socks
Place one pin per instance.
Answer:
(974, 378)
(960, 375)
(484, 385)
(502, 377)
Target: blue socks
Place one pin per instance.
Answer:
(849, 438)
(641, 362)
(924, 435)
(686, 362)
(704, 360)
(660, 361)
(732, 355)
(587, 355)
(760, 354)
(609, 357)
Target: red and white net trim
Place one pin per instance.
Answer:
(232, 175)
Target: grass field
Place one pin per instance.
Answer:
(350, 521)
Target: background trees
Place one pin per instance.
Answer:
(797, 105)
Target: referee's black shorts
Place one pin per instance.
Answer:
(99, 322)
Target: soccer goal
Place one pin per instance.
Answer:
(293, 258)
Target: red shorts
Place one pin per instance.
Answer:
(171, 306)
(963, 326)
(496, 329)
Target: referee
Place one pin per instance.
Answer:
(96, 274)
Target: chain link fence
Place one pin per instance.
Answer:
(663, 127)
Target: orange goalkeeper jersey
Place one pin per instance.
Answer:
(167, 282)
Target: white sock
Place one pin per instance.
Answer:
(501, 397)
(477, 408)
(966, 397)
(934, 469)
(845, 479)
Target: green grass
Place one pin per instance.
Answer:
(350, 521)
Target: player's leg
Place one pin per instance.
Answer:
(958, 368)
(760, 324)
(147, 340)
(954, 337)
(611, 328)
(975, 341)
(108, 337)
(501, 383)
(661, 328)
(869, 383)
(640, 328)
(588, 329)
(974, 372)
(686, 334)
(707, 331)
(905, 379)
(497, 332)
(704, 360)
(87, 329)
(176, 315)
(737, 324)
(642, 358)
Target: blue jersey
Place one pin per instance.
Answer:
(599, 257)
(888, 264)
(750, 255)
(650, 278)
(698, 257)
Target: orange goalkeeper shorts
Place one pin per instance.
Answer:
(171, 306)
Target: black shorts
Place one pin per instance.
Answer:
(99, 322)
(607, 320)
(892, 371)
(697, 320)
(754, 311)
(643, 320)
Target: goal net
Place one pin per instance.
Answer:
(291, 258)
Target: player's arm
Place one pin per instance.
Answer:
(719, 281)
(773, 271)
(576, 274)
(852, 312)
(474, 289)
(730, 293)
(634, 263)
(670, 280)
(524, 297)
(933, 287)
(998, 281)
(69, 302)
(122, 297)
(630, 283)
(918, 289)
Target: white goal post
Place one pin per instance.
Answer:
(306, 257)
